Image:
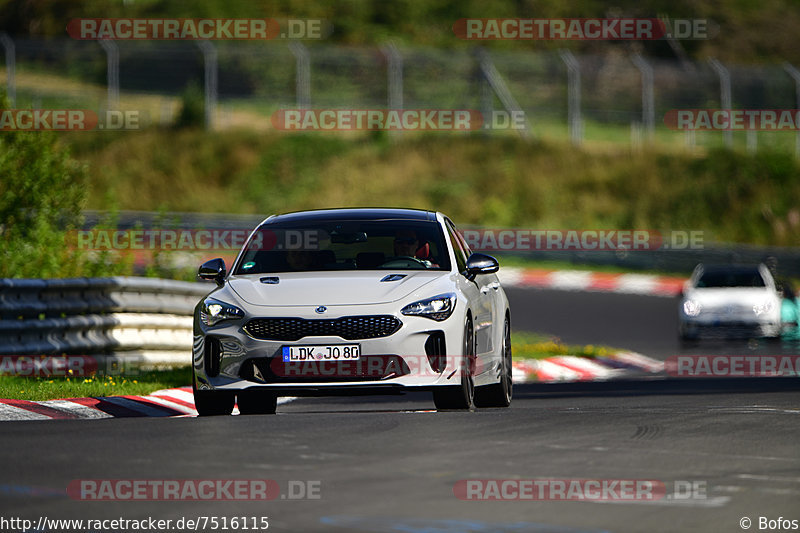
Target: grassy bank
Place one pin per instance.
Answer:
(500, 181)
(527, 345)
(49, 388)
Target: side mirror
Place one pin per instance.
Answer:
(481, 264)
(213, 270)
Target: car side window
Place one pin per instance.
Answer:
(458, 248)
(464, 245)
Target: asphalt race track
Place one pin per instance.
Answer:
(723, 450)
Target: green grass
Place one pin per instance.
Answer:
(526, 345)
(49, 388)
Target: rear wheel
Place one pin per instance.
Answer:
(499, 394)
(460, 396)
(257, 402)
(212, 402)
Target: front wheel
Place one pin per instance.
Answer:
(212, 403)
(499, 394)
(460, 396)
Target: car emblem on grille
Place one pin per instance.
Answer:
(321, 309)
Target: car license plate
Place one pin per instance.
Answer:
(326, 352)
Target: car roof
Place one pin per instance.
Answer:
(357, 213)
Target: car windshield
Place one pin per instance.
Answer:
(731, 278)
(345, 245)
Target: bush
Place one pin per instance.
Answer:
(193, 106)
(42, 193)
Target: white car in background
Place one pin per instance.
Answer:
(730, 301)
(348, 301)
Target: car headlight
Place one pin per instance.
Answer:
(437, 308)
(213, 312)
(691, 308)
(764, 307)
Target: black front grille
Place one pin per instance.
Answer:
(347, 327)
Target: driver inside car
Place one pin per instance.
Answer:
(407, 244)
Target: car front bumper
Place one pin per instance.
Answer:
(226, 357)
(726, 326)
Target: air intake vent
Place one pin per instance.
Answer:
(348, 327)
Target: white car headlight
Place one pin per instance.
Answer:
(692, 307)
(213, 312)
(764, 307)
(437, 308)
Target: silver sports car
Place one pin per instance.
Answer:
(730, 300)
(352, 301)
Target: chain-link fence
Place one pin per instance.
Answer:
(614, 98)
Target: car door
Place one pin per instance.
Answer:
(482, 293)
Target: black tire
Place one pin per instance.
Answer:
(212, 403)
(257, 402)
(460, 396)
(499, 394)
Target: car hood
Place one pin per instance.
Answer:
(330, 288)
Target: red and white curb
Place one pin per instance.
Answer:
(578, 280)
(167, 402)
(574, 368)
(180, 401)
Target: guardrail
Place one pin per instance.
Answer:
(122, 318)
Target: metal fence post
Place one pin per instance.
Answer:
(303, 77)
(752, 141)
(112, 72)
(394, 68)
(795, 74)
(211, 70)
(648, 99)
(487, 101)
(496, 82)
(11, 68)
(724, 94)
(574, 96)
